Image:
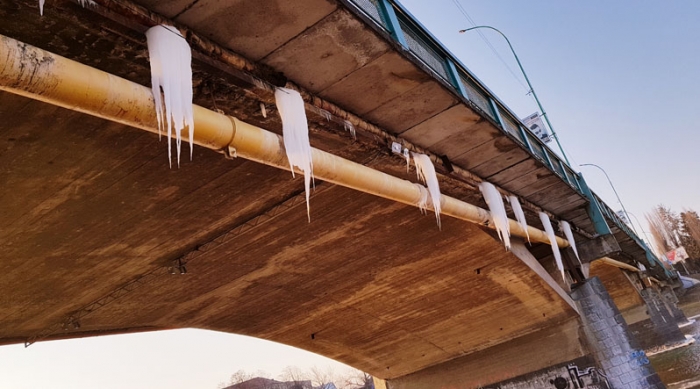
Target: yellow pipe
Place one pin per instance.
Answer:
(621, 265)
(43, 76)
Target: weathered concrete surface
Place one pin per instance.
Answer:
(528, 354)
(579, 373)
(100, 207)
(663, 325)
(92, 214)
(611, 341)
(646, 312)
(671, 300)
(623, 292)
(599, 247)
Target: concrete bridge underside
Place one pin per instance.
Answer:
(95, 223)
(90, 206)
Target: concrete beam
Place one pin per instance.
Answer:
(518, 357)
(602, 246)
(555, 281)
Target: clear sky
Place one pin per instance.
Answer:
(620, 83)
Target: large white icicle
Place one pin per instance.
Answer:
(423, 202)
(498, 211)
(519, 214)
(547, 224)
(41, 7)
(171, 70)
(426, 173)
(295, 131)
(565, 227)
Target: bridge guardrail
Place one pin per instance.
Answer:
(393, 18)
(612, 216)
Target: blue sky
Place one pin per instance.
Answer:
(619, 81)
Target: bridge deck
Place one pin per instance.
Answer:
(332, 50)
(99, 208)
(95, 218)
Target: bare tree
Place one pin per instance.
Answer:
(295, 375)
(664, 226)
(320, 376)
(690, 233)
(356, 379)
(240, 376)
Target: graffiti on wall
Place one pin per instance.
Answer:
(565, 376)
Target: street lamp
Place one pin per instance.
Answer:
(614, 190)
(544, 114)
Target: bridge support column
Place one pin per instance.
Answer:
(663, 323)
(618, 353)
(672, 303)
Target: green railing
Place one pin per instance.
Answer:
(619, 223)
(393, 18)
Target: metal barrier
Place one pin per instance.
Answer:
(393, 18)
(406, 30)
(619, 223)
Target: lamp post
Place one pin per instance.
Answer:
(614, 190)
(544, 114)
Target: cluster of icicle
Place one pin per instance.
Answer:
(519, 214)
(565, 227)
(547, 224)
(83, 3)
(171, 70)
(426, 173)
(498, 211)
(501, 223)
(295, 131)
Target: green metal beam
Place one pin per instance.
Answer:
(387, 9)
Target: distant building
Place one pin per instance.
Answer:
(266, 383)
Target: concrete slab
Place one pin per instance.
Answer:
(169, 9)
(413, 107)
(327, 52)
(254, 28)
(499, 145)
(445, 128)
(378, 82)
(506, 160)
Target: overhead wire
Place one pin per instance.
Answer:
(488, 43)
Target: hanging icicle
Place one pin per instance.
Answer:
(295, 130)
(565, 227)
(423, 202)
(519, 214)
(171, 70)
(498, 211)
(349, 127)
(83, 3)
(426, 173)
(547, 224)
(326, 115)
(407, 155)
(263, 110)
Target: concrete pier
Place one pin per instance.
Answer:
(617, 352)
